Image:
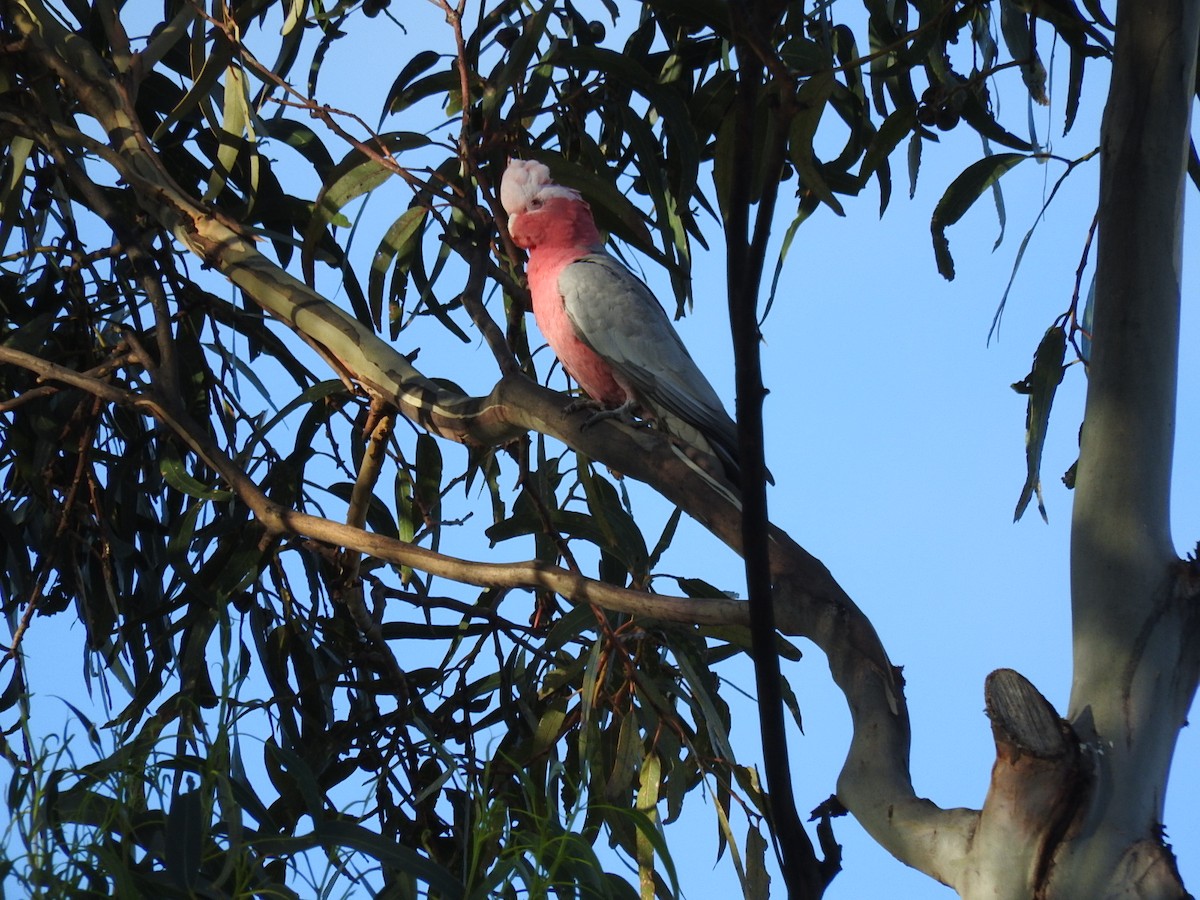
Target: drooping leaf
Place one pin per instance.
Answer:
(960, 196)
(429, 485)
(397, 244)
(979, 117)
(334, 833)
(757, 885)
(1040, 386)
(914, 163)
(894, 129)
(515, 63)
(212, 62)
(178, 477)
(401, 93)
(235, 119)
(647, 800)
(303, 140)
(1018, 37)
(184, 835)
(811, 100)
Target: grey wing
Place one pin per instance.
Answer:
(616, 315)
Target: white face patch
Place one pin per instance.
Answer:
(526, 185)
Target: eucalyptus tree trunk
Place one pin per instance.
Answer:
(1075, 806)
(1133, 603)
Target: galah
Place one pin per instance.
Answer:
(603, 323)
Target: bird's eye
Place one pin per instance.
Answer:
(535, 202)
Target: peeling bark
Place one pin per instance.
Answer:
(1037, 782)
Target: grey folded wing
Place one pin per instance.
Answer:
(620, 319)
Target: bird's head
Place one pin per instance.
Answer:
(542, 213)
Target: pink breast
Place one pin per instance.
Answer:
(594, 375)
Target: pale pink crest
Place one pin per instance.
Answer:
(526, 184)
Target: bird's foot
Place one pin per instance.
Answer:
(600, 412)
(580, 403)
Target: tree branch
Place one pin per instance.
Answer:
(283, 522)
(802, 871)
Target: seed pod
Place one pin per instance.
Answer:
(947, 118)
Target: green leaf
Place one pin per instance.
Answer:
(356, 174)
(235, 117)
(548, 729)
(15, 691)
(511, 72)
(894, 129)
(757, 885)
(725, 838)
(626, 757)
(235, 361)
(1074, 88)
(176, 475)
(960, 196)
(429, 482)
(303, 140)
(1040, 385)
(165, 37)
(11, 196)
(1018, 37)
(738, 638)
(587, 701)
(649, 781)
(805, 56)
(802, 214)
(333, 833)
(747, 779)
(1027, 238)
(975, 114)
(212, 63)
(665, 100)
(404, 91)
(184, 836)
(914, 163)
(713, 722)
(812, 99)
(621, 535)
(397, 244)
(379, 517)
(664, 540)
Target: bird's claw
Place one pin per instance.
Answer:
(622, 413)
(580, 403)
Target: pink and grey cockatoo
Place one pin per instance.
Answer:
(603, 323)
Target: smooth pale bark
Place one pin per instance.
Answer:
(1075, 806)
(1135, 631)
